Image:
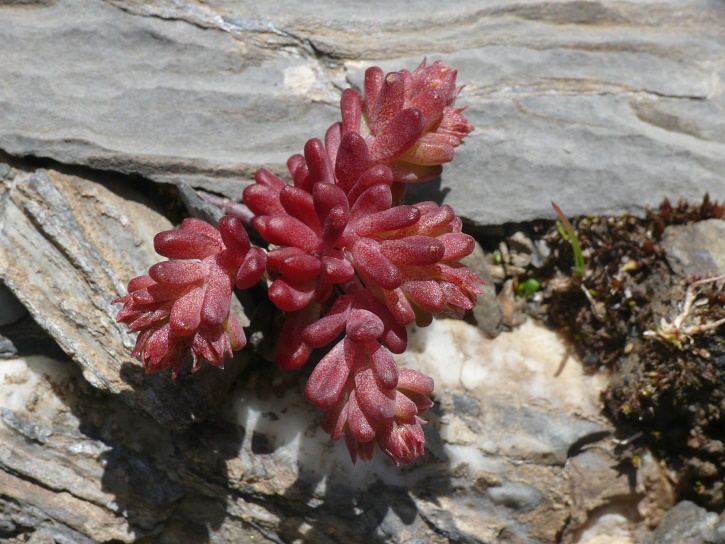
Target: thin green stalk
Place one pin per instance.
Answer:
(579, 264)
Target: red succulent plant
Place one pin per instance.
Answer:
(183, 304)
(409, 121)
(345, 257)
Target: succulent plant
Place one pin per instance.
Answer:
(183, 304)
(345, 257)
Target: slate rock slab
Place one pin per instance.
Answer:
(603, 106)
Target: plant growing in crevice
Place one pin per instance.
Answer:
(566, 230)
(346, 258)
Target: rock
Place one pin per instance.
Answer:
(83, 467)
(604, 106)
(696, 249)
(657, 489)
(597, 486)
(512, 307)
(197, 206)
(167, 99)
(487, 311)
(687, 522)
(521, 249)
(68, 248)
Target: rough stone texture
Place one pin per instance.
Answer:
(487, 312)
(68, 246)
(80, 466)
(697, 249)
(602, 106)
(687, 522)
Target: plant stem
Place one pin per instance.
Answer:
(579, 265)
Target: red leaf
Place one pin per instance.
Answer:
(324, 331)
(300, 268)
(328, 379)
(180, 272)
(234, 235)
(318, 162)
(289, 296)
(397, 136)
(351, 109)
(186, 312)
(283, 230)
(326, 197)
(218, 297)
(388, 220)
(373, 200)
(457, 244)
(358, 424)
(263, 200)
(373, 83)
(427, 294)
(292, 352)
(252, 269)
(185, 244)
(412, 380)
(337, 270)
(353, 160)
(298, 204)
(202, 227)
(377, 404)
(374, 266)
(389, 101)
(413, 250)
(363, 326)
(263, 177)
(385, 368)
(377, 175)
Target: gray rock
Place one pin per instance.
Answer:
(696, 249)
(487, 311)
(605, 107)
(197, 206)
(687, 522)
(84, 467)
(165, 99)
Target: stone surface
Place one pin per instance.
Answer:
(603, 106)
(487, 312)
(697, 249)
(80, 466)
(687, 522)
(68, 247)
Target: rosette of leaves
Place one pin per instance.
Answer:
(183, 305)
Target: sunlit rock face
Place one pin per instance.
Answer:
(604, 107)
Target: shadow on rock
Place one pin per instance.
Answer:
(321, 496)
(169, 485)
(422, 192)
